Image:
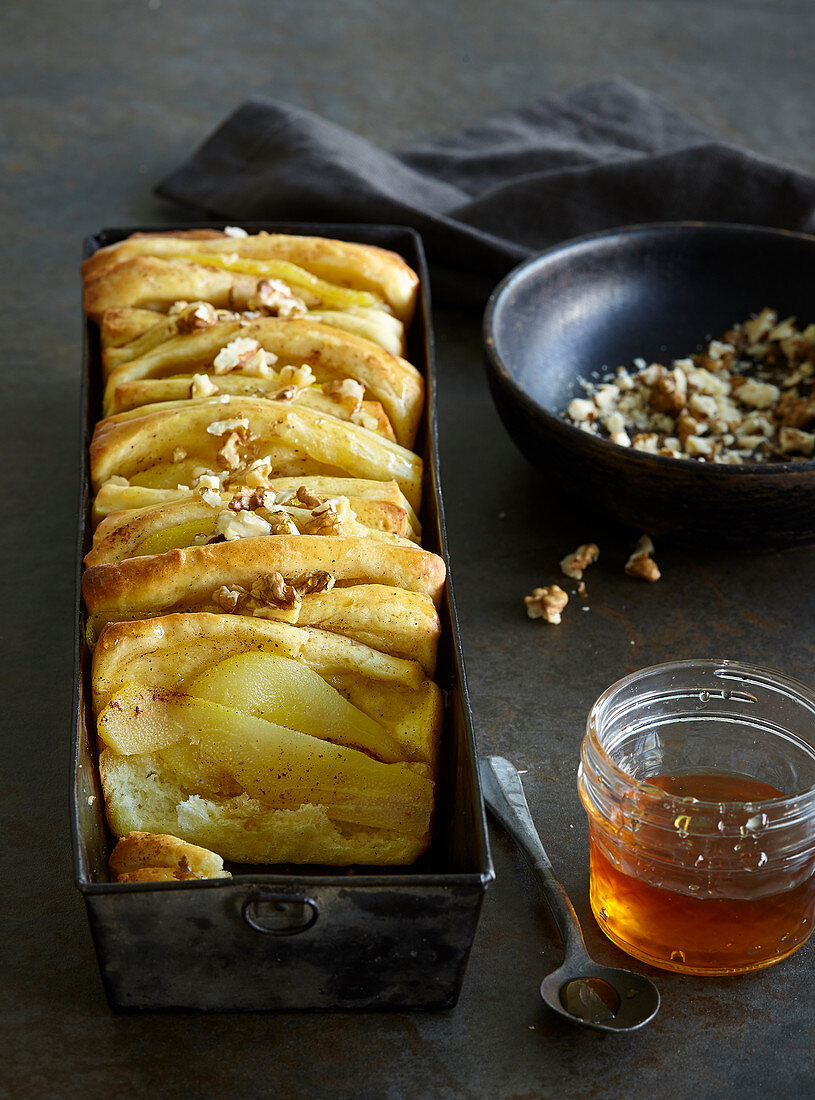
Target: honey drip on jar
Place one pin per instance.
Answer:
(689, 928)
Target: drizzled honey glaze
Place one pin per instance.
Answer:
(679, 929)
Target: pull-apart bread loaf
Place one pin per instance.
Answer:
(263, 619)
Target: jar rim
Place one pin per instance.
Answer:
(802, 801)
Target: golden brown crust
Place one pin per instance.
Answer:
(127, 333)
(366, 267)
(152, 874)
(171, 651)
(194, 573)
(332, 356)
(150, 283)
(298, 440)
(394, 620)
(379, 504)
(119, 327)
(348, 595)
(153, 857)
(152, 391)
(123, 535)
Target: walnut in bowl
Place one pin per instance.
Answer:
(558, 327)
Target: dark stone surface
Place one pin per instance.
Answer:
(101, 98)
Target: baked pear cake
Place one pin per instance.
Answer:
(262, 616)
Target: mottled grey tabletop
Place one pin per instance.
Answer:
(101, 99)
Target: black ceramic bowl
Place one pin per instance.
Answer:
(657, 292)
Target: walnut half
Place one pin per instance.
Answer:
(546, 603)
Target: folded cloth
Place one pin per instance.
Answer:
(484, 198)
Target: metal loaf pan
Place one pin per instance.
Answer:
(286, 937)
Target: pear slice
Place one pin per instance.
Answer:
(138, 719)
(328, 294)
(180, 535)
(291, 694)
(281, 768)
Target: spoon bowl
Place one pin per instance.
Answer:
(621, 1000)
(604, 998)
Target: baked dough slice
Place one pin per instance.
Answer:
(170, 652)
(144, 792)
(380, 505)
(368, 269)
(377, 593)
(173, 791)
(172, 444)
(330, 354)
(126, 332)
(330, 401)
(193, 522)
(157, 857)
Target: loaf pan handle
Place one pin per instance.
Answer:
(280, 914)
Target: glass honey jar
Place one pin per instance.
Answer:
(698, 778)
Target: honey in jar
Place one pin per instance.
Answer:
(697, 867)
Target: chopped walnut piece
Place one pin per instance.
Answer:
(310, 583)
(202, 386)
(698, 446)
(703, 405)
(281, 522)
(667, 395)
(646, 441)
(229, 599)
(584, 556)
(794, 412)
(581, 410)
(792, 440)
(257, 474)
(195, 317)
(248, 499)
(300, 377)
(759, 395)
(328, 517)
(274, 590)
(347, 392)
(229, 455)
(221, 427)
(365, 419)
(305, 496)
(210, 496)
(546, 603)
(641, 564)
(237, 355)
(278, 299)
(241, 525)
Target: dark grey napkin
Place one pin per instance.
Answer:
(483, 198)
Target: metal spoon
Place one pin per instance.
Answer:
(599, 997)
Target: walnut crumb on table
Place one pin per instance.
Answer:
(584, 556)
(546, 603)
(640, 563)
